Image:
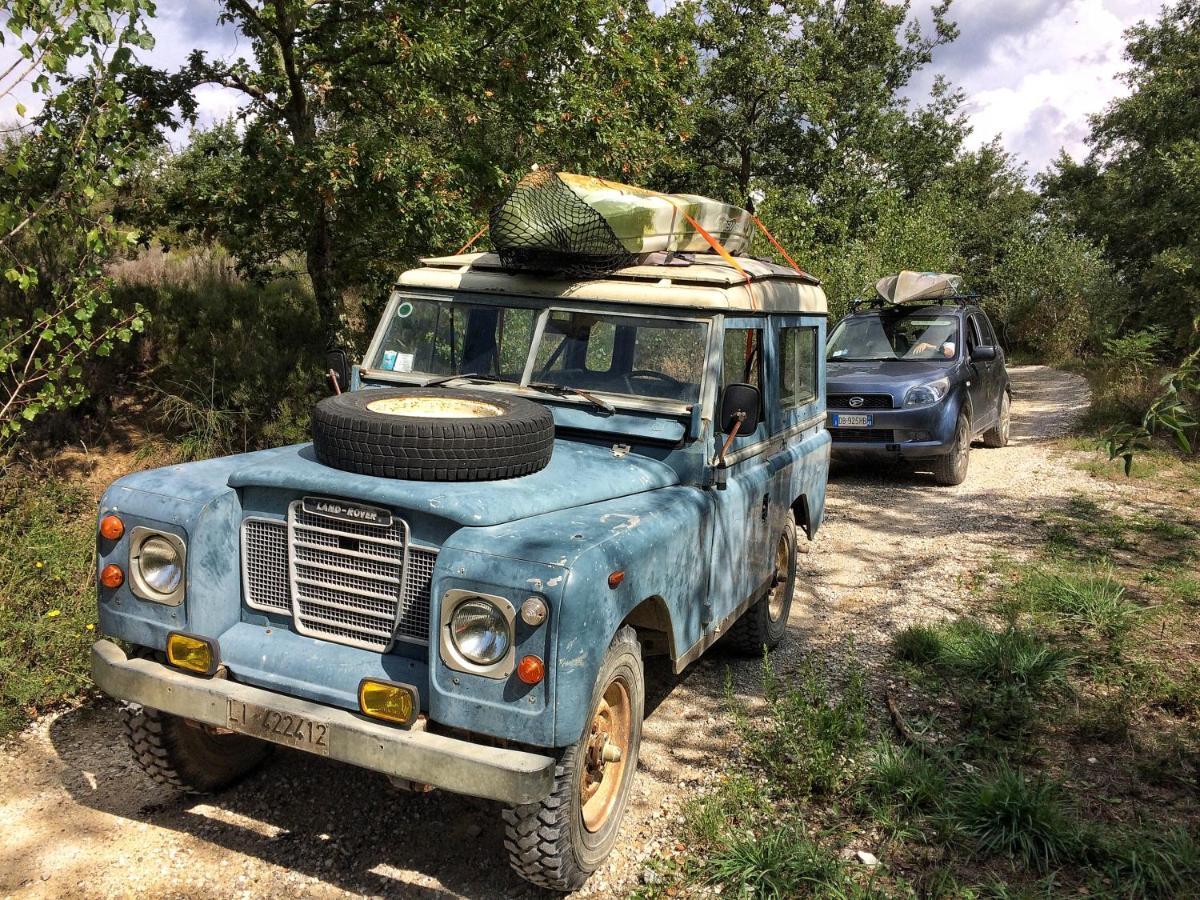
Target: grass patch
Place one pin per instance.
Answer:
(47, 602)
(783, 862)
(1012, 814)
(1092, 600)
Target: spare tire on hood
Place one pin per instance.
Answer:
(432, 434)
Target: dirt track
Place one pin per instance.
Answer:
(78, 820)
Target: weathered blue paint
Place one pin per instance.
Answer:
(630, 492)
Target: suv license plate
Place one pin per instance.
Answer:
(841, 421)
(280, 728)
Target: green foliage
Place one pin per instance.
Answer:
(47, 599)
(1147, 862)
(906, 778)
(920, 645)
(781, 863)
(56, 314)
(805, 743)
(1091, 601)
(1013, 814)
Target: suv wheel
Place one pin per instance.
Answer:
(560, 841)
(998, 436)
(185, 754)
(951, 469)
(765, 623)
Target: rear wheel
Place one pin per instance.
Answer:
(185, 754)
(560, 841)
(951, 469)
(765, 623)
(998, 436)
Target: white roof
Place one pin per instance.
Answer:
(709, 283)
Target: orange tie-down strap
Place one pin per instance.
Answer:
(467, 246)
(778, 246)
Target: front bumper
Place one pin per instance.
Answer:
(511, 776)
(896, 433)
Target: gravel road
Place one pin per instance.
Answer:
(78, 820)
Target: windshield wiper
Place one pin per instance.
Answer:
(562, 389)
(446, 379)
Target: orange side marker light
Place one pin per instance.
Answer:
(111, 576)
(111, 528)
(531, 669)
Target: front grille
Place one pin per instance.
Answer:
(869, 401)
(342, 581)
(863, 435)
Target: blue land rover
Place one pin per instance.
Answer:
(918, 382)
(530, 485)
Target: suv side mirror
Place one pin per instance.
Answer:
(983, 354)
(337, 366)
(740, 402)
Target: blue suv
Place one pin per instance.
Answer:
(917, 382)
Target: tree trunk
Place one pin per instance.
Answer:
(319, 262)
(744, 178)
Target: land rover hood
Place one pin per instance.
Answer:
(578, 474)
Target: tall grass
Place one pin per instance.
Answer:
(47, 602)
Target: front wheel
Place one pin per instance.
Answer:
(998, 437)
(560, 841)
(765, 623)
(951, 469)
(185, 754)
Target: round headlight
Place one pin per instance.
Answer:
(480, 632)
(159, 565)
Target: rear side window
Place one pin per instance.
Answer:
(797, 366)
(985, 329)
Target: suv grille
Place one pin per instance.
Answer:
(863, 435)
(342, 581)
(869, 401)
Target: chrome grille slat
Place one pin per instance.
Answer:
(356, 584)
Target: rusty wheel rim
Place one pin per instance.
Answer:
(777, 601)
(606, 753)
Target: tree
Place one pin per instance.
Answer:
(58, 174)
(376, 130)
(1138, 193)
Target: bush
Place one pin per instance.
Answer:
(47, 602)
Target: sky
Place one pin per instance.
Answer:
(1033, 70)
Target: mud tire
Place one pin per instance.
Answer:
(547, 842)
(185, 755)
(765, 623)
(349, 435)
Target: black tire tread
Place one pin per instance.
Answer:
(944, 472)
(347, 437)
(154, 741)
(752, 630)
(537, 836)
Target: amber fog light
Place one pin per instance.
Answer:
(111, 528)
(111, 576)
(385, 700)
(196, 654)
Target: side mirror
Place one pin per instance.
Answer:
(983, 354)
(740, 402)
(337, 366)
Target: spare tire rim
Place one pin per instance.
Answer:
(435, 408)
(605, 754)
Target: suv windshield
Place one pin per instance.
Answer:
(890, 335)
(608, 353)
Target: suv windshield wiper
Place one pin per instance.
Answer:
(562, 389)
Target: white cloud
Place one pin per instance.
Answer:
(1035, 70)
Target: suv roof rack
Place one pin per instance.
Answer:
(880, 303)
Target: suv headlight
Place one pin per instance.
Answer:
(480, 632)
(925, 394)
(156, 564)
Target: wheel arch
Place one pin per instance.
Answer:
(651, 618)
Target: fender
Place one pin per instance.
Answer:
(617, 555)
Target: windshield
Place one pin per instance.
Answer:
(885, 336)
(608, 353)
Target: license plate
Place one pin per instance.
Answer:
(280, 728)
(843, 421)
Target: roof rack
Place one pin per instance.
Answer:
(880, 303)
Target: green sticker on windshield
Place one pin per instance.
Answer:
(404, 310)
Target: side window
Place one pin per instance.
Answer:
(742, 359)
(797, 366)
(986, 334)
(973, 340)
